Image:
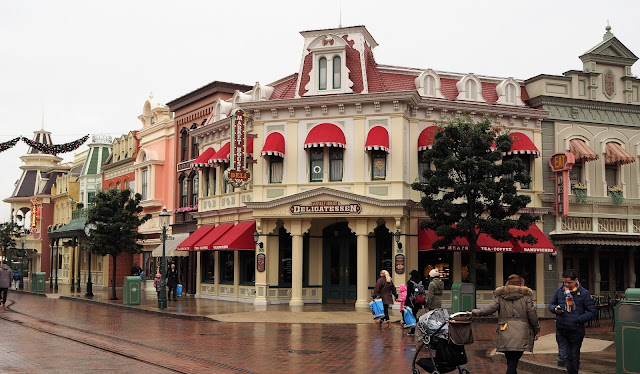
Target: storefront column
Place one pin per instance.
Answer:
(198, 273)
(540, 294)
(457, 267)
(261, 283)
(236, 274)
(596, 271)
(296, 271)
(631, 255)
(216, 273)
(363, 294)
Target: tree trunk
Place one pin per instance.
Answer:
(113, 281)
(473, 239)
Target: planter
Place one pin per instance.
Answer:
(581, 195)
(616, 197)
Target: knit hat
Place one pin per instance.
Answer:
(414, 274)
(434, 273)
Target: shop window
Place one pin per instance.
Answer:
(145, 183)
(378, 165)
(194, 190)
(184, 190)
(335, 164)
(316, 155)
(441, 260)
(275, 169)
(337, 76)
(575, 174)
(226, 267)
(322, 73)
(611, 175)
(523, 264)
(247, 267)
(422, 166)
(207, 268)
(285, 264)
(485, 270)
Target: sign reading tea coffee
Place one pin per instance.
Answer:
(237, 174)
(326, 207)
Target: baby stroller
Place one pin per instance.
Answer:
(446, 336)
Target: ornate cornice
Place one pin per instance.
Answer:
(571, 109)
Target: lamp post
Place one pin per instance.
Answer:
(88, 228)
(397, 238)
(164, 224)
(21, 281)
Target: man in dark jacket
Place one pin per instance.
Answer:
(573, 306)
(5, 282)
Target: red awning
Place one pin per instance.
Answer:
(187, 244)
(240, 237)
(488, 244)
(542, 246)
(273, 145)
(377, 139)
(425, 139)
(522, 144)
(426, 238)
(581, 150)
(207, 241)
(203, 160)
(325, 135)
(616, 154)
(222, 156)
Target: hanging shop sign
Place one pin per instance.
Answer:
(237, 174)
(561, 164)
(261, 262)
(399, 264)
(36, 215)
(326, 207)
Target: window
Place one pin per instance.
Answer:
(184, 144)
(575, 174)
(471, 90)
(90, 197)
(485, 270)
(207, 182)
(322, 74)
(378, 165)
(511, 93)
(523, 264)
(118, 186)
(208, 262)
(441, 260)
(317, 162)
(422, 166)
(194, 190)
(184, 191)
(285, 264)
(526, 161)
(611, 175)
(337, 76)
(194, 148)
(247, 267)
(275, 169)
(226, 267)
(430, 86)
(145, 182)
(153, 120)
(335, 164)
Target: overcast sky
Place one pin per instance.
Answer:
(92, 64)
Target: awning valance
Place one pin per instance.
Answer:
(616, 154)
(427, 237)
(426, 137)
(222, 156)
(325, 135)
(542, 246)
(239, 237)
(187, 244)
(204, 159)
(377, 139)
(171, 246)
(207, 241)
(523, 145)
(581, 150)
(273, 145)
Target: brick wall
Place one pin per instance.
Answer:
(124, 263)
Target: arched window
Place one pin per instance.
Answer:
(337, 72)
(471, 90)
(194, 144)
(184, 191)
(194, 190)
(184, 144)
(511, 94)
(430, 86)
(118, 186)
(322, 74)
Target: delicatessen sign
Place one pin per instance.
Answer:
(326, 207)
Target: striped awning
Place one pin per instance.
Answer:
(325, 135)
(377, 139)
(581, 150)
(274, 145)
(426, 137)
(616, 154)
(523, 145)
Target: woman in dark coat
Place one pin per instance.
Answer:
(517, 320)
(412, 285)
(386, 290)
(172, 281)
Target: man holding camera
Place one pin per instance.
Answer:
(573, 306)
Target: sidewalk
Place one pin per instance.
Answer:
(598, 351)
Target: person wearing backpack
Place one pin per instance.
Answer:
(434, 292)
(386, 290)
(415, 296)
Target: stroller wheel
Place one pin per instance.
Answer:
(435, 372)
(415, 371)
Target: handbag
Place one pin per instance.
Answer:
(376, 308)
(409, 318)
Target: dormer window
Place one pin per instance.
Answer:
(322, 74)
(509, 92)
(328, 73)
(428, 84)
(470, 88)
(337, 76)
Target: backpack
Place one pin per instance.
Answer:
(418, 296)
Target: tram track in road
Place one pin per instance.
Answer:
(158, 357)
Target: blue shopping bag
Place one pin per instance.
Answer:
(376, 308)
(409, 319)
(179, 290)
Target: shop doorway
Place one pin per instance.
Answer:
(339, 257)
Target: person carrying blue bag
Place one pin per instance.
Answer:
(386, 290)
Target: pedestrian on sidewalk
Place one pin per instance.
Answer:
(402, 297)
(5, 282)
(172, 281)
(433, 297)
(518, 325)
(573, 306)
(16, 279)
(386, 290)
(157, 283)
(415, 296)
(136, 269)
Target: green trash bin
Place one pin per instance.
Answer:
(463, 297)
(39, 281)
(627, 322)
(131, 291)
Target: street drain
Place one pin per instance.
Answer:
(305, 352)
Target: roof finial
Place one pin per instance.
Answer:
(340, 22)
(608, 35)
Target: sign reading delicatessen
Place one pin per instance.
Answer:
(326, 207)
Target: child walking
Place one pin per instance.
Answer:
(157, 281)
(402, 297)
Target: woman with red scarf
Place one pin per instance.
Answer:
(573, 306)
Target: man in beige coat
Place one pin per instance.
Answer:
(518, 323)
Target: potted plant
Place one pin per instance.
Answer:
(580, 190)
(615, 192)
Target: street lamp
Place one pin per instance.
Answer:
(21, 281)
(164, 224)
(88, 228)
(397, 237)
(256, 238)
